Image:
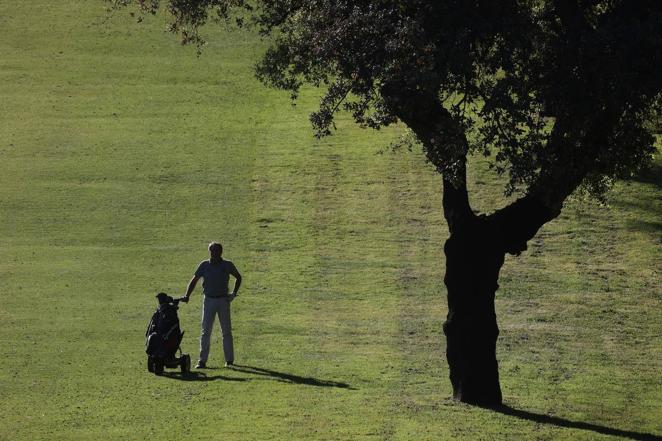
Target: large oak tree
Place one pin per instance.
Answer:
(557, 93)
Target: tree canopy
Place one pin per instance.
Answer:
(553, 91)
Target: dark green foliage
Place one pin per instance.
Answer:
(551, 89)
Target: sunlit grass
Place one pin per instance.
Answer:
(122, 154)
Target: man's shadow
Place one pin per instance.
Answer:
(289, 378)
(199, 376)
(562, 422)
(278, 376)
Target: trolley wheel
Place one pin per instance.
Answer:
(158, 368)
(185, 363)
(150, 364)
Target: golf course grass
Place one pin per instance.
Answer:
(122, 154)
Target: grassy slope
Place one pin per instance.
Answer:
(122, 155)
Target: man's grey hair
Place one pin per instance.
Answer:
(215, 245)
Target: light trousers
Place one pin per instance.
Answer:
(212, 307)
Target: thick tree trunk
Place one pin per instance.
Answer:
(477, 245)
(472, 270)
(475, 253)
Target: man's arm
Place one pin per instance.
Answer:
(191, 287)
(237, 282)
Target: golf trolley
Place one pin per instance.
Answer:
(163, 337)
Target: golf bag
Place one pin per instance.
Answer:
(163, 337)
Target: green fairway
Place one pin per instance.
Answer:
(122, 155)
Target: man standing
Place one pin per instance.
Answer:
(215, 274)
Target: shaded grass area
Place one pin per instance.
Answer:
(122, 155)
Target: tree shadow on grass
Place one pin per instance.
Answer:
(646, 204)
(649, 227)
(290, 378)
(199, 376)
(651, 175)
(562, 422)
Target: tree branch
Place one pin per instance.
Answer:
(571, 138)
(444, 142)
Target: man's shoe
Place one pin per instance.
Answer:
(229, 364)
(200, 365)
